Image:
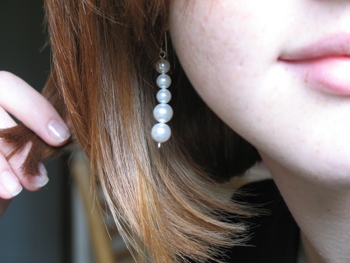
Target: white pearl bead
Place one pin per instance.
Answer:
(163, 96)
(161, 132)
(163, 66)
(163, 113)
(163, 81)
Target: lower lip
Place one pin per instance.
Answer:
(329, 75)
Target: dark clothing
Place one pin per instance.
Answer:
(275, 236)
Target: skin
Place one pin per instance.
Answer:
(31, 108)
(231, 53)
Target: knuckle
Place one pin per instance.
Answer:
(38, 108)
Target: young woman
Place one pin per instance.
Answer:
(275, 73)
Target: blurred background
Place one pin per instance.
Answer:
(36, 227)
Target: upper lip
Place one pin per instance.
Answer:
(331, 46)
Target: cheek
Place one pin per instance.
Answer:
(220, 49)
(204, 44)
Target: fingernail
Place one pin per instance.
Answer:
(58, 130)
(41, 179)
(10, 183)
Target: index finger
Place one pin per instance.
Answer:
(22, 101)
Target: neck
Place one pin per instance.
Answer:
(322, 213)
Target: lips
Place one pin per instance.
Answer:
(323, 65)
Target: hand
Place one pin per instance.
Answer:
(33, 110)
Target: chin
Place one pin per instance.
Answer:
(335, 172)
(327, 172)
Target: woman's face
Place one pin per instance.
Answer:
(277, 72)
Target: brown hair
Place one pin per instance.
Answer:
(102, 81)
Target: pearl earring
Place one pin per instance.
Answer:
(162, 112)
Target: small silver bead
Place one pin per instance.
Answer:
(163, 66)
(161, 132)
(163, 96)
(163, 81)
(163, 112)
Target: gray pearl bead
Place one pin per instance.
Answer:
(163, 66)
